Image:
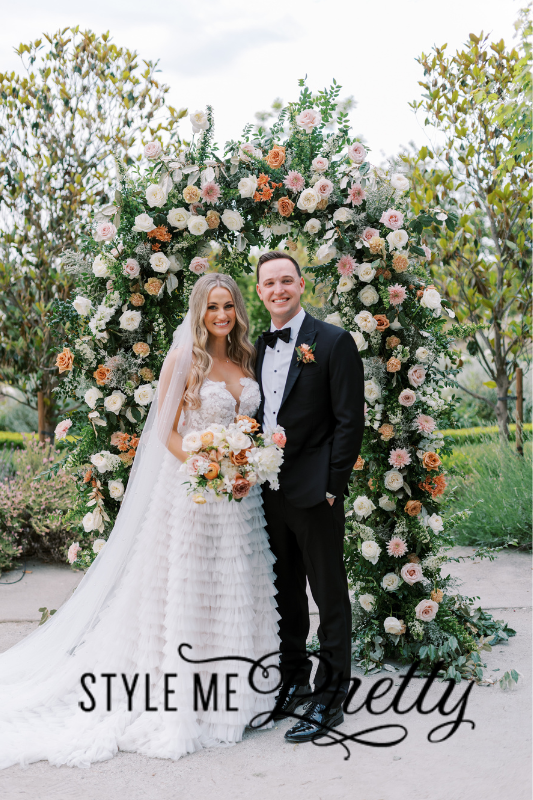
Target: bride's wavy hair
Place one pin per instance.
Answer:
(240, 349)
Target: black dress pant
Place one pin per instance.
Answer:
(309, 542)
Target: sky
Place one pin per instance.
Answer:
(238, 56)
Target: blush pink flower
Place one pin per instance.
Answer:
(346, 265)
(407, 398)
(399, 458)
(73, 551)
(62, 428)
(426, 610)
(427, 252)
(392, 219)
(357, 153)
(425, 423)
(131, 268)
(199, 265)
(411, 573)
(369, 233)
(323, 188)
(320, 164)
(280, 439)
(356, 194)
(294, 181)
(105, 232)
(396, 547)
(210, 192)
(397, 294)
(416, 375)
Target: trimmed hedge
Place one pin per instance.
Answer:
(475, 435)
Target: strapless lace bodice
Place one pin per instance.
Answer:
(218, 405)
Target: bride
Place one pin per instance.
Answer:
(172, 572)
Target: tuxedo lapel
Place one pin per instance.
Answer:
(261, 346)
(306, 335)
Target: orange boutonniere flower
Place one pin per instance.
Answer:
(304, 353)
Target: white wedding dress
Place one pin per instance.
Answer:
(199, 574)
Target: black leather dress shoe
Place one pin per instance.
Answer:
(311, 727)
(295, 697)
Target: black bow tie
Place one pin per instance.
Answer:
(271, 337)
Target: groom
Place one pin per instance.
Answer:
(320, 403)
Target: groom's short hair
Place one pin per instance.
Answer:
(272, 255)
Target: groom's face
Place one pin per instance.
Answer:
(280, 288)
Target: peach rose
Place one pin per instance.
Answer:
(359, 464)
(394, 365)
(276, 157)
(65, 360)
(383, 322)
(153, 286)
(376, 245)
(426, 610)
(437, 595)
(241, 487)
(285, 207)
(101, 375)
(212, 218)
(279, 439)
(136, 299)
(386, 431)
(141, 349)
(413, 507)
(240, 458)
(431, 461)
(212, 471)
(411, 573)
(400, 262)
(391, 342)
(191, 194)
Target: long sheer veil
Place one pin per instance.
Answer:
(41, 655)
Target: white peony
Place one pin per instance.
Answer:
(422, 354)
(308, 200)
(393, 480)
(159, 262)
(114, 401)
(397, 239)
(116, 489)
(100, 268)
(197, 225)
(399, 181)
(143, 224)
(232, 220)
(144, 394)
(393, 625)
(368, 296)
(191, 442)
(247, 186)
(431, 299)
(366, 273)
(312, 226)
(342, 215)
(98, 544)
(367, 601)
(363, 506)
(156, 196)
(360, 340)
(390, 582)
(178, 217)
(92, 396)
(82, 305)
(386, 503)
(130, 320)
(370, 550)
(238, 440)
(267, 461)
(372, 391)
(366, 321)
(345, 284)
(334, 319)
(199, 121)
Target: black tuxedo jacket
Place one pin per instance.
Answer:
(322, 411)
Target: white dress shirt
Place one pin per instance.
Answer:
(275, 369)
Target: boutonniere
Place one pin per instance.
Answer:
(304, 353)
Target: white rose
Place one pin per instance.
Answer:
(82, 305)
(325, 253)
(365, 273)
(114, 401)
(155, 196)
(100, 268)
(143, 224)
(430, 299)
(334, 319)
(360, 340)
(372, 391)
(100, 462)
(393, 480)
(247, 186)
(116, 489)
(342, 215)
(144, 394)
(130, 320)
(87, 522)
(399, 181)
(367, 601)
(370, 550)
(199, 121)
(197, 225)
(368, 296)
(312, 226)
(393, 625)
(366, 321)
(345, 284)
(397, 239)
(173, 264)
(152, 150)
(280, 228)
(238, 440)
(92, 396)
(320, 164)
(386, 503)
(390, 582)
(308, 200)
(191, 442)
(434, 522)
(232, 220)
(422, 354)
(159, 262)
(363, 506)
(178, 217)
(98, 544)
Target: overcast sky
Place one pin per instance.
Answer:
(238, 56)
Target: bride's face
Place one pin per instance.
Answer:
(220, 316)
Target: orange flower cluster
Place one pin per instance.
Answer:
(266, 190)
(387, 274)
(161, 233)
(254, 425)
(359, 464)
(125, 442)
(434, 485)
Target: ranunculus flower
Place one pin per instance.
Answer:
(82, 305)
(320, 164)
(390, 582)
(62, 428)
(105, 232)
(393, 480)
(366, 321)
(100, 267)
(232, 220)
(159, 262)
(199, 121)
(416, 375)
(368, 296)
(143, 223)
(359, 340)
(309, 119)
(394, 626)
(144, 394)
(308, 200)
(178, 217)
(370, 550)
(366, 273)
(426, 610)
(116, 489)
(156, 196)
(130, 320)
(247, 186)
(152, 150)
(197, 225)
(411, 573)
(367, 601)
(323, 187)
(73, 551)
(114, 401)
(397, 239)
(372, 391)
(357, 153)
(407, 398)
(199, 265)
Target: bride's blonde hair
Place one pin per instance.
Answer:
(240, 349)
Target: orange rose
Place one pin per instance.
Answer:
(212, 471)
(391, 342)
(136, 299)
(65, 360)
(413, 507)
(387, 431)
(254, 425)
(212, 218)
(437, 595)
(394, 365)
(276, 157)
(359, 464)
(431, 461)
(101, 375)
(285, 206)
(239, 459)
(413, 558)
(400, 262)
(383, 322)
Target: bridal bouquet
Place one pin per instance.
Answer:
(230, 460)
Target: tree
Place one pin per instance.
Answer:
(78, 98)
(478, 181)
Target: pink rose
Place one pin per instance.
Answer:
(62, 428)
(392, 219)
(152, 150)
(73, 551)
(131, 268)
(426, 610)
(199, 265)
(320, 164)
(197, 464)
(323, 188)
(369, 233)
(105, 232)
(279, 439)
(407, 398)
(309, 119)
(416, 375)
(357, 153)
(411, 573)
